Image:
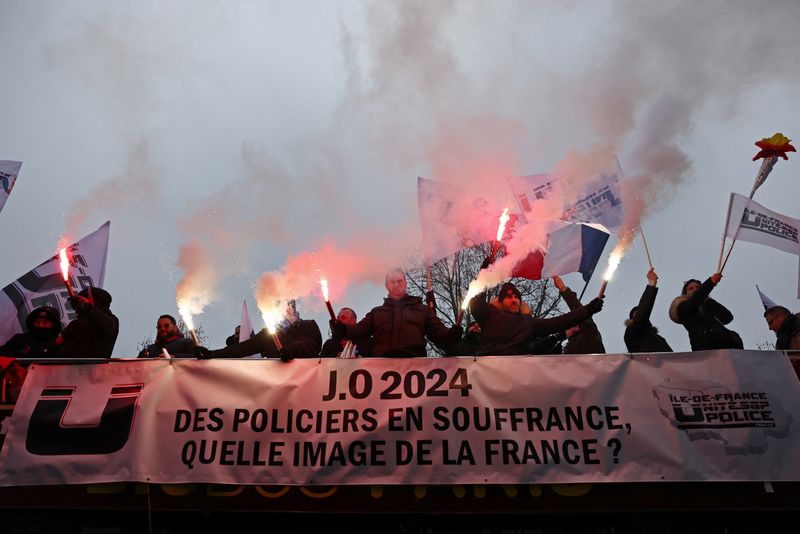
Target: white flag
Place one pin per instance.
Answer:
(246, 328)
(757, 224)
(9, 170)
(44, 286)
(598, 200)
(452, 219)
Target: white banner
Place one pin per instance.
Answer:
(757, 224)
(44, 285)
(598, 200)
(9, 170)
(452, 219)
(703, 416)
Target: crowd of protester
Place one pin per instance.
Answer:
(404, 325)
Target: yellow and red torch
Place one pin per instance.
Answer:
(64, 263)
(323, 284)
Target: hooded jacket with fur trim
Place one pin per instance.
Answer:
(704, 320)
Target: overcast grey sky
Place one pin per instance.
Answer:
(265, 129)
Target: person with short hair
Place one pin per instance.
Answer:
(640, 334)
(703, 317)
(786, 327)
(169, 338)
(399, 327)
(334, 346)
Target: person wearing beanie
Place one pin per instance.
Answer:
(93, 333)
(786, 326)
(42, 328)
(703, 317)
(507, 327)
(584, 337)
(640, 334)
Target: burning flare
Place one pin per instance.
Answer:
(613, 263)
(64, 263)
(323, 284)
(271, 316)
(501, 228)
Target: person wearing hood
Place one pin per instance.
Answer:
(786, 326)
(400, 326)
(703, 317)
(300, 338)
(640, 334)
(507, 326)
(169, 338)
(43, 326)
(93, 333)
(584, 337)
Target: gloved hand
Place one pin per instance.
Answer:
(595, 305)
(486, 263)
(202, 353)
(430, 299)
(80, 304)
(286, 355)
(338, 328)
(456, 331)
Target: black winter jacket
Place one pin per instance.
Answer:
(640, 334)
(399, 327)
(704, 320)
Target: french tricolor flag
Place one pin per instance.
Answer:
(571, 248)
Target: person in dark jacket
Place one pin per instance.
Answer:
(551, 344)
(640, 334)
(300, 338)
(470, 342)
(334, 346)
(94, 332)
(703, 317)
(786, 327)
(507, 326)
(43, 326)
(584, 337)
(399, 326)
(169, 338)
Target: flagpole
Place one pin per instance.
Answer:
(736, 234)
(431, 304)
(646, 250)
(584, 290)
(725, 233)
